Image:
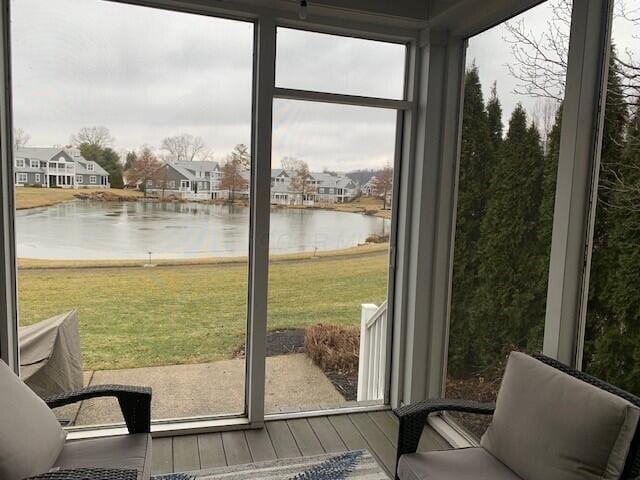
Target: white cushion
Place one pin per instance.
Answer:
(30, 436)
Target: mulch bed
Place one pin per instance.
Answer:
(285, 341)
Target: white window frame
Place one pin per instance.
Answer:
(34, 163)
(264, 92)
(93, 179)
(79, 179)
(90, 167)
(19, 162)
(22, 178)
(37, 178)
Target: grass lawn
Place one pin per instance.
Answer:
(30, 197)
(136, 317)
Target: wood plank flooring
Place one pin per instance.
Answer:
(374, 431)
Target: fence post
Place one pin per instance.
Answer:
(364, 362)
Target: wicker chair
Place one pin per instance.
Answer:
(33, 446)
(412, 420)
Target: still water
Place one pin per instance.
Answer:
(102, 230)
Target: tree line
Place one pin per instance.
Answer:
(506, 198)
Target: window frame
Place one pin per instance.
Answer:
(574, 209)
(22, 178)
(265, 22)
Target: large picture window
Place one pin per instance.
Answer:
(612, 335)
(506, 188)
(146, 284)
(332, 191)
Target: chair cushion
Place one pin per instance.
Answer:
(549, 425)
(461, 464)
(30, 435)
(130, 452)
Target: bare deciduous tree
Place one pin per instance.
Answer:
(237, 162)
(383, 184)
(99, 136)
(185, 147)
(299, 176)
(540, 58)
(543, 116)
(144, 168)
(20, 138)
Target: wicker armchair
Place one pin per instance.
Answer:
(135, 404)
(412, 419)
(33, 445)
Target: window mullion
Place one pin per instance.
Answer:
(264, 79)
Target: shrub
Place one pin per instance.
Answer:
(377, 238)
(333, 348)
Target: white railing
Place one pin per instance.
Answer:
(373, 352)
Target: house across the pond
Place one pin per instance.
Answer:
(52, 167)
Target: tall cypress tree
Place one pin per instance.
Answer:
(494, 117)
(506, 309)
(601, 316)
(476, 163)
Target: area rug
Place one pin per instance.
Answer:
(357, 465)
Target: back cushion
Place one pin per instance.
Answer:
(30, 436)
(549, 425)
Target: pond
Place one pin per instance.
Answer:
(103, 230)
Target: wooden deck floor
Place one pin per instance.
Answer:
(374, 431)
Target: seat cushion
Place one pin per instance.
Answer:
(549, 425)
(130, 452)
(30, 435)
(460, 464)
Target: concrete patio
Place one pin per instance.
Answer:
(293, 382)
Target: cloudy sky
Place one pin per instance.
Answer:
(147, 74)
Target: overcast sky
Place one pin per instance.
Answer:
(147, 74)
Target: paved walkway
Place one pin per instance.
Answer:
(179, 391)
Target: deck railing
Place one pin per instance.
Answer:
(373, 352)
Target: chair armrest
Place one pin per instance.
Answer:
(135, 403)
(413, 418)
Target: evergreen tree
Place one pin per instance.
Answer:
(107, 158)
(601, 317)
(476, 163)
(506, 310)
(494, 117)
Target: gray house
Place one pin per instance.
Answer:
(52, 167)
(323, 187)
(191, 180)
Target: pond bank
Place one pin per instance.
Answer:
(360, 250)
(32, 197)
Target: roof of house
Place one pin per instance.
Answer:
(46, 154)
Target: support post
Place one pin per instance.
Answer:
(428, 229)
(264, 68)
(577, 179)
(8, 311)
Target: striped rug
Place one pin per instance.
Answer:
(356, 465)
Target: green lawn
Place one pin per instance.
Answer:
(135, 317)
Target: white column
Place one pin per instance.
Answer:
(9, 351)
(260, 211)
(426, 233)
(576, 188)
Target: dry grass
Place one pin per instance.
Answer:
(32, 197)
(36, 264)
(366, 205)
(334, 348)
